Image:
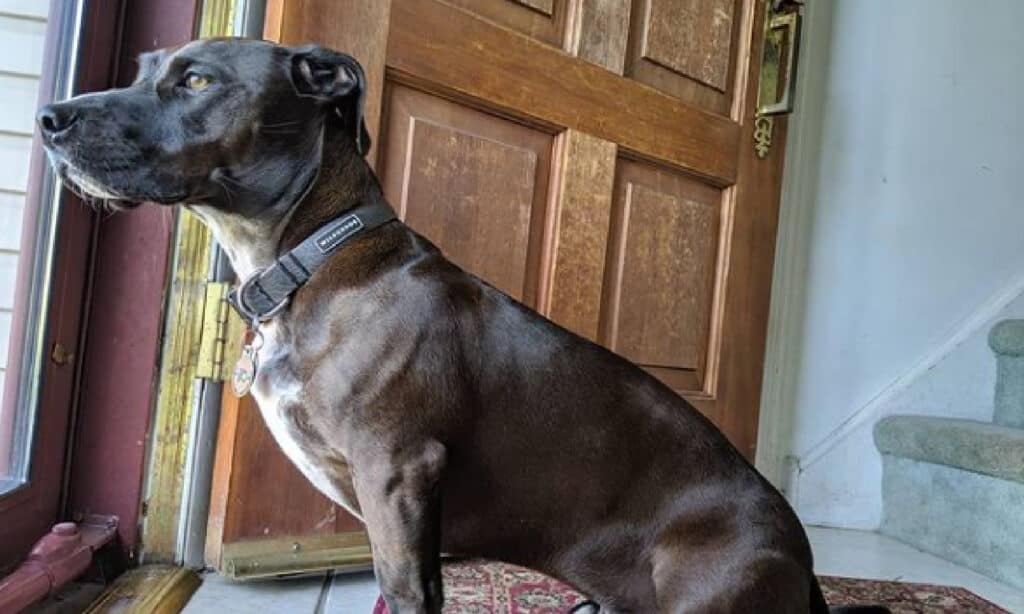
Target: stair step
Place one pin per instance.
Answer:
(1007, 338)
(980, 447)
(955, 488)
(1007, 341)
(971, 519)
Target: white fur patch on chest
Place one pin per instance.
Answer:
(276, 390)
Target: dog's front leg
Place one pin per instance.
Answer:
(399, 492)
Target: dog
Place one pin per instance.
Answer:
(444, 414)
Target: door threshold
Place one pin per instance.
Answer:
(156, 589)
(291, 556)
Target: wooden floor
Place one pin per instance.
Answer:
(837, 552)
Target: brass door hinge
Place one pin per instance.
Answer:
(779, 60)
(221, 334)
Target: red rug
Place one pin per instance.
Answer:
(475, 587)
(905, 597)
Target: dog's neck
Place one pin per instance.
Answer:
(337, 180)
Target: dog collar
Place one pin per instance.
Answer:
(267, 291)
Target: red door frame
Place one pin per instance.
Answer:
(110, 275)
(121, 360)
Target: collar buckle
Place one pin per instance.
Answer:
(252, 316)
(266, 291)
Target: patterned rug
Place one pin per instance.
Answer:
(475, 587)
(905, 597)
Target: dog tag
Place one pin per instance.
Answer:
(245, 371)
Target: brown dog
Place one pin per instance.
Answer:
(447, 416)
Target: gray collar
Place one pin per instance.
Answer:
(266, 292)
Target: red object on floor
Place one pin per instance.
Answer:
(482, 587)
(56, 559)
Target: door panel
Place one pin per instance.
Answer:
(685, 48)
(546, 7)
(663, 252)
(542, 20)
(598, 32)
(689, 37)
(593, 158)
(474, 184)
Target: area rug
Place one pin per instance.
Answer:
(905, 597)
(478, 587)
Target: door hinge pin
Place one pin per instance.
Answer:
(220, 328)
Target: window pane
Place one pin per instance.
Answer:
(23, 25)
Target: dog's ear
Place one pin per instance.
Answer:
(338, 81)
(149, 63)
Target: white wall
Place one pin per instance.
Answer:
(22, 30)
(914, 223)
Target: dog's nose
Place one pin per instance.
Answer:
(54, 119)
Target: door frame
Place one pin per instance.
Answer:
(187, 409)
(130, 258)
(789, 287)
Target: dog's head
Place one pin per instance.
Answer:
(222, 122)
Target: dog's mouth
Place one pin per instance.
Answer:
(91, 191)
(99, 194)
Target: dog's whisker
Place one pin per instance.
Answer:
(79, 192)
(285, 128)
(109, 208)
(280, 124)
(227, 190)
(281, 132)
(231, 180)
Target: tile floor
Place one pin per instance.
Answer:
(837, 552)
(859, 554)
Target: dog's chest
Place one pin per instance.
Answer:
(279, 393)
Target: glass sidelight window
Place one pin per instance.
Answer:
(29, 217)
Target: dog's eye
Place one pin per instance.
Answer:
(196, 82)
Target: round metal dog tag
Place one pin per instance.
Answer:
(245, 372)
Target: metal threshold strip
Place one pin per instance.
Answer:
(290, 556)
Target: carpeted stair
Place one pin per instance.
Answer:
(955, 488)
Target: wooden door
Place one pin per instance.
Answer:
(592, 158)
